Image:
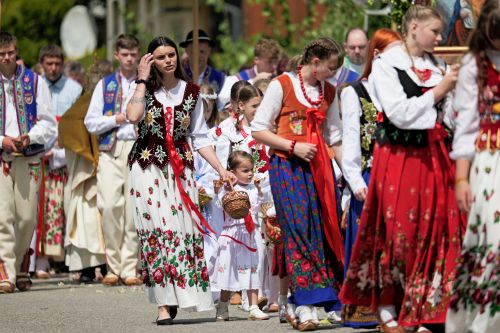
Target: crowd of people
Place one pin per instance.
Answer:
(360, 178)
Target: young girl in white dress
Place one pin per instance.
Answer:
(205, 175)
(238, 261)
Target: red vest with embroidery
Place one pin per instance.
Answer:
(150, 146)
(291, 123)
(489, 109)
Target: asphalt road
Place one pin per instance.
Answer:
(56, 305)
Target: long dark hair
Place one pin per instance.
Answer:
(155, 77)
(488, 25)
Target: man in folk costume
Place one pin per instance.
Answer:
(84, 239)
(106, 118)
(208, 74)
(26, 125)
(64, 92)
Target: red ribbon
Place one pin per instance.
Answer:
(261, 150)
(423, 74)
(249, 225)
(6, 167)
(251, 249)
(321, 168)
(178, 167)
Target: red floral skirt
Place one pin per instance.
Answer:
(409, 236)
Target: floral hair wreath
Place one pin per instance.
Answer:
(209, 96)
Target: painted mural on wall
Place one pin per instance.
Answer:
(460, 17)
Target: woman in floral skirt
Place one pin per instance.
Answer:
(359, 117)
(168, 222)
(475, 304)
(302, 182)
(410, 232)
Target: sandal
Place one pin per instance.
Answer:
(6, 287)
(308, 325)
(23, 282)
(292, 321)
(395, 329)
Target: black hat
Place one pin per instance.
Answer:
(202, 37)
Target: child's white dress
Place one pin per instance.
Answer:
(235, 266)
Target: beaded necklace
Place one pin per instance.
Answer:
(320, 88)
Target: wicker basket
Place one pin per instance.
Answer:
(236, 203)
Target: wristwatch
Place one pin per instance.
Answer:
(138, 81)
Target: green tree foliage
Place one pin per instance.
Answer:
(324, 18)
(35, 23)
(398, 10)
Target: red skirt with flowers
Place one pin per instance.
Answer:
(410, 234)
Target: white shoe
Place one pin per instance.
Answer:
(304, 312)
(282, 313)
(257, 314)
(334, 317)
(314, 313)
(244, 305)
(222, 313)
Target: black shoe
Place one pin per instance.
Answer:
(85, 279)
(166, 321)
(172, 310)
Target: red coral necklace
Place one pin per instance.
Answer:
(309, 99)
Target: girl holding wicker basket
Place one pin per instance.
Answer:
(237, 264)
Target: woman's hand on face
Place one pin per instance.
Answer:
(144, 68)
(305, 151)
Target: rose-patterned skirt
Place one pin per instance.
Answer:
(475, 304)
(356, 316)
(409, 235)
(315, 274)
(171, 246)
(52, 221)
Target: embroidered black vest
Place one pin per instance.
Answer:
(150, 146)
(368, 124)
(387, 132)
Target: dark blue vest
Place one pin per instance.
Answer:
(112, 95)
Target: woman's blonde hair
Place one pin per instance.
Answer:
(418, 13)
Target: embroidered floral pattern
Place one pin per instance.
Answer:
(183, 117)
(54, 218)
(308, 266)
(296, 122)
(367, 132)
(35, 170)
(489, 110)
(169, 258)
(478, 276)
(151, 147)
